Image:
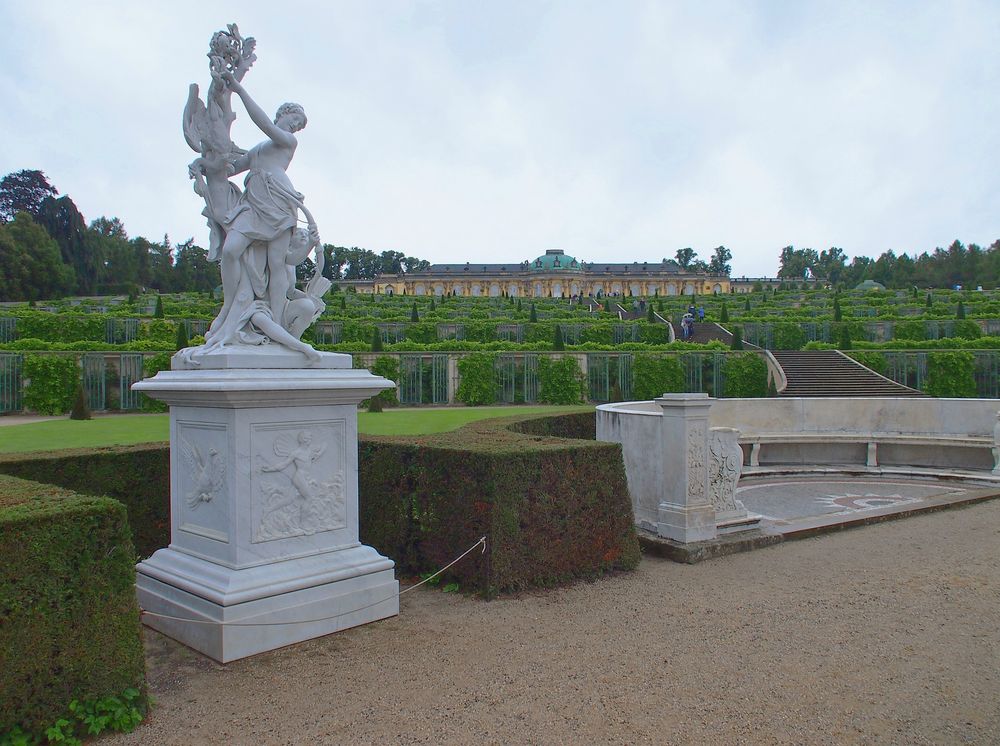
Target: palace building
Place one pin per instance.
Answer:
(552, 275)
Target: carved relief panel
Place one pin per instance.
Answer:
(696, 462)
(725, 465)
(201, 496)
(297, 479)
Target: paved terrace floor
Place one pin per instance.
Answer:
(882, 634)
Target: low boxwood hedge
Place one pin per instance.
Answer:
(137, 476)
(552, 508)
(69, 623)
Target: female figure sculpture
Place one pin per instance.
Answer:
(253, 232)
(267, 210)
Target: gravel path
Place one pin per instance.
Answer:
(886, 634)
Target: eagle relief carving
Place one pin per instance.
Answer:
(206, 473)
(299, 499)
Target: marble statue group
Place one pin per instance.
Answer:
(255, 232)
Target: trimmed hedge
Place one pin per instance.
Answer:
(137, 476)
(69, 623)
(552, 509)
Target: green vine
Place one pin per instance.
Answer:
(654, 376)
(51, 384)
(387, 367)
(560, 381)
(951, 374)
(746, 375)
(478, 379)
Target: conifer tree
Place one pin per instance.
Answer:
(377, 340)
(80, 410)
(845, 338)
(557, 343)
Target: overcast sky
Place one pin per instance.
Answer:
(491, 131)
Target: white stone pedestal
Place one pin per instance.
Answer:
(685, 513)
(264, 547)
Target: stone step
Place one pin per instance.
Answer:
(827, 373)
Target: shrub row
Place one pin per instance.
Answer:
(137, 476)
(69, 623)
(552, 508)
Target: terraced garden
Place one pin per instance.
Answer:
(447, 350)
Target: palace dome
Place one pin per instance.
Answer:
(555, 260)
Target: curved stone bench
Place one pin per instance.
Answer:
(871, 449)
(684, 491)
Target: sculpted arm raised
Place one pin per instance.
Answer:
(260, 117)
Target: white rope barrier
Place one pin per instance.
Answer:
(463, 555)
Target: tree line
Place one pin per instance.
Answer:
(48, 250)
(968, 266)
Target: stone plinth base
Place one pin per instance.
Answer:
(272, 357)
(231, 614)
(686, 523)
(736, 521)
(264, 547)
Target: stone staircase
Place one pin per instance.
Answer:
(706, 331)
(830, 373)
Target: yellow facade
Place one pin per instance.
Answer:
(553, 275)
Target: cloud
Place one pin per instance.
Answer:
(458, 131)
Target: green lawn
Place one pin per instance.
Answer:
(150, 428)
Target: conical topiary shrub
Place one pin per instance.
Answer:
(845, 338)
(80, 410)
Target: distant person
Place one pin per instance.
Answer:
(701, 313)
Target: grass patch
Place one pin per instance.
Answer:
(52, 435)
(428, 421)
